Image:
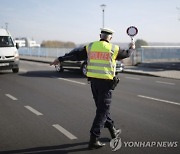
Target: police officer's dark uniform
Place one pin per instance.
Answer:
(101, 64)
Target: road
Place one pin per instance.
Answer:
(43, 111)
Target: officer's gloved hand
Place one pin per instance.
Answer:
(55, 62)
(132, 46)
(60, 59)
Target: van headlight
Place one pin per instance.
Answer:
(16, 55)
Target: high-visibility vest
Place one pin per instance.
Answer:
(101, 60)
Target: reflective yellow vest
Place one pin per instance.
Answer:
(101, 60)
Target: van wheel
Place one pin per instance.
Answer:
(15, 70)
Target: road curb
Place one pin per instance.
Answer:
(150, 74)
(139, 73)
(36, 60)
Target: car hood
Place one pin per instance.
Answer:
(7, 51)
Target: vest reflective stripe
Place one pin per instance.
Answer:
(98, 64)
(100, 71)
(88, 48)
(113, 48)
(101, 60)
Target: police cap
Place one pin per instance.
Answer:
(107, 31)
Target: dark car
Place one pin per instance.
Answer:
(81, 64)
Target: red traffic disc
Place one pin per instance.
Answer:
(132, 31)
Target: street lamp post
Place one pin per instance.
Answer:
(103, 8)
(178, 9)
(6, 24)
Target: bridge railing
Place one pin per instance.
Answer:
(43, 52)
(141, 55)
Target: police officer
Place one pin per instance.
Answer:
(101, 65)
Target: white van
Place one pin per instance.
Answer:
(9, 56)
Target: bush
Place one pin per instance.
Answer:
(57, 44)
(140, 43)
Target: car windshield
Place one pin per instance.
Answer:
(6, 41)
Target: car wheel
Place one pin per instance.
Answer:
(15, 70)
(59, 68)
(84, 69)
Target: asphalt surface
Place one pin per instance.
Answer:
(43, 111)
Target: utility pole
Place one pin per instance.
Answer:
(6, 25)
(178, 9)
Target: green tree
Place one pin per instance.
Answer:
(57, 44)
(140, 42)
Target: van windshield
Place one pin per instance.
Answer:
(6, 41)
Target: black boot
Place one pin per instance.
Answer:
(94, 143)
(114, 132)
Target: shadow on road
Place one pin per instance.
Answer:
(59, 149)
(50, 74)
(51, 149)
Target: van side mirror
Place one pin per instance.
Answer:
(17, 45)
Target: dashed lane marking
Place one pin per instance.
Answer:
(23, 71)
(169, 83)
(33, 110)
(160, 100)
(11, 97)
(65, 132)
(132, 78)
(73, 81)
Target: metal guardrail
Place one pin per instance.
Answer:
(43, 52)
(142, 55)
(158, 53)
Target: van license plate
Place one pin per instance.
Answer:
(4, 64)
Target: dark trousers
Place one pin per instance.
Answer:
(102, 94)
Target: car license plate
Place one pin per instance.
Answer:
(4, 64)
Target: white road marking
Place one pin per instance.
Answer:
(23, 70)
(65, 132)
(160, 100)
(11, 97)
(33, 110)
(169, 83)
(73, 81)
(132, 78)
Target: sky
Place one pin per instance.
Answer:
(79, 21)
